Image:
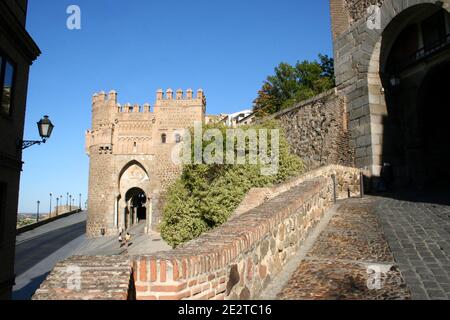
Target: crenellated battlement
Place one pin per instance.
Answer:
(180, 98)
(102, 100)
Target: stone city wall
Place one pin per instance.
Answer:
(316, 130)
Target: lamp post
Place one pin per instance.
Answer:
(67, 199)
(50, 211)
(80, 201)
(70, 206)
(37, 211)
(45, 127)
(57, 205)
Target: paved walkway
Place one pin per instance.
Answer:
(350, 260)
(418, 233)
(141, 243)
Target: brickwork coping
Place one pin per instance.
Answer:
(89, 278)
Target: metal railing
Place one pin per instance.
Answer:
(424, 53)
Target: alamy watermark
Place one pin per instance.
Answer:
(74, 279)
(374, 17)
(237, 147)
(377, 276)
(74, 19)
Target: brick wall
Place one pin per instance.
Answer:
(339, 17)
(317, 130)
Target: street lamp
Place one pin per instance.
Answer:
(70, 207)
(37, 212)
(57, 205)
(50, 211)
(45, 127)
(80, 201)
(67, 199)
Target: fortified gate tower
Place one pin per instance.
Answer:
(130, 150)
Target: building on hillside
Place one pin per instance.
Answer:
(233, 120)
(392, 61)
(130, 149)
(248, 119)
(17, 52)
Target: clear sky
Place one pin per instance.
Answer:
(226, 47)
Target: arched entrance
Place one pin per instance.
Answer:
(414, 69)
(133, 204)
(135, 211)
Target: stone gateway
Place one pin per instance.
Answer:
(130, 150)
(393, 70)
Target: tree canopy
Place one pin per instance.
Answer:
(292, 84)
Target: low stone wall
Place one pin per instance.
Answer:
(45, 221)
(239, 259)
(235, 261)
(347, 182)
(89, 278)
(317, 130)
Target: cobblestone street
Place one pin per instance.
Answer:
(350, 260)
(410, 238)
(418, 233)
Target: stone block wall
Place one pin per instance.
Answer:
(316, 130)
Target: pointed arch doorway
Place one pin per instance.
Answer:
(134, 205)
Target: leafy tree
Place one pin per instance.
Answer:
(205, 196)
(292, 84)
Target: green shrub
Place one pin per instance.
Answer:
(205, 196)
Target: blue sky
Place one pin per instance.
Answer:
(137, 46)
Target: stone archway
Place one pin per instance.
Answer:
(360, 55)
(133, 202)
(410, 50)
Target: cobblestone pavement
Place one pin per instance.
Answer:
(419, 237)
(350, 260)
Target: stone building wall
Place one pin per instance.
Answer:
(235, 261)
(316, 130)
(18, 49)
